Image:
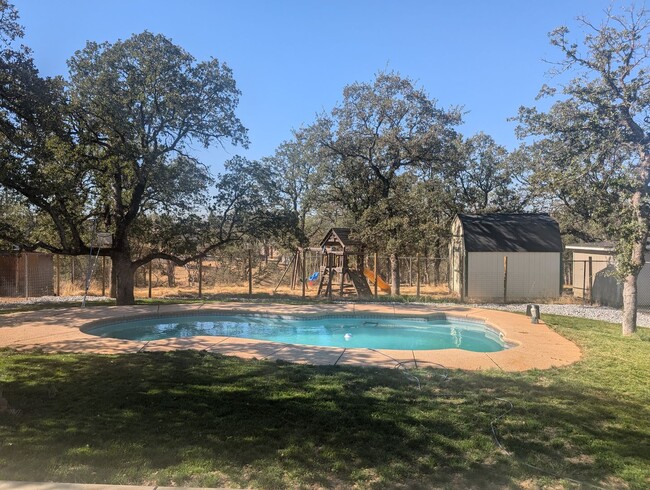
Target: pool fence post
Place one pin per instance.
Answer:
(26, 275)
(376, 271)
(417, 275)
(250, 271)
(591, 281)
(304, 271)
(150, 267)
(505, 278)
(330, 266)
(200, 277)
(103, 275)
(584, 281)
(58, 275)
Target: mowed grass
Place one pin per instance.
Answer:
(196, 419)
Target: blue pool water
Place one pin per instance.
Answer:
(335, 331)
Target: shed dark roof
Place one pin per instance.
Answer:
(530, 232)
(340, 235)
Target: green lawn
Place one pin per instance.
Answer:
(197, 419)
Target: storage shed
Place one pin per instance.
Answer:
(505, 257)
(593, 277)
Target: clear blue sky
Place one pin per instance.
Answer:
(291, 59)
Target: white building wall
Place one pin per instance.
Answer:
(605, 288)
(599, 262)
(643, 284)
(531, 275)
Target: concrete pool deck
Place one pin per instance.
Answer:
(536, 346)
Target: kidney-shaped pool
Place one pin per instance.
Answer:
(372, 332)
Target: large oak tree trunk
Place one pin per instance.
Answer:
(628, 325)
(637, 259)
(113, 292)
(629, 304)
(125, 278)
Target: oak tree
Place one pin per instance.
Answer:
(593, 143)
(378, 132)
(113, 145)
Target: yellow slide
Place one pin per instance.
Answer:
(381, 284)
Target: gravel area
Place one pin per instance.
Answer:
(581, 311)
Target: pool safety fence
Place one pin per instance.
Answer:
(240, 272)
(244, 272)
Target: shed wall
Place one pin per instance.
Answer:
(531, 275)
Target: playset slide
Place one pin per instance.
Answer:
(381, 284)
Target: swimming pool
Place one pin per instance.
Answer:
(372, 332)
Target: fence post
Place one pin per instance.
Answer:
(376, 272)
(330, 266)
(584, 281)
(505, 278)
(150, 267)
(200, 277)
(591, 281)
(58, 275)
(103, 275)
(72, 261)
(26, 275)
(417, 275)
(250, 272)
(304, 271)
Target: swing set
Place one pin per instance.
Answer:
(337, 263)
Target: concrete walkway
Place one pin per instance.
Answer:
(61, 330)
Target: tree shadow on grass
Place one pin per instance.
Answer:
(203, 419)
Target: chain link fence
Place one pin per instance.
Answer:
(243, 272)
(239, 272)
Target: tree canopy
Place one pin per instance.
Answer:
(378, 132)
(112, 145)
